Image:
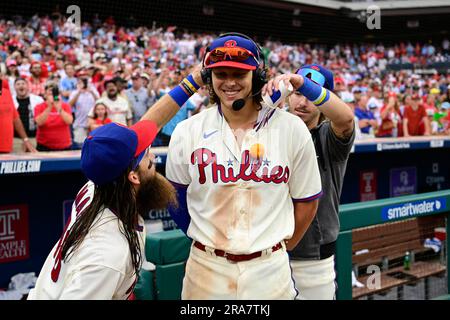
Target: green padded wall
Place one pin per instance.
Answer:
(169, 281)
(145, 288)
(167, 247)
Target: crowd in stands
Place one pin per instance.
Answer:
(66, 81)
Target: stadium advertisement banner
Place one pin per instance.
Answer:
(14, 234)
(403, 181)
(435, 176)
(25, 166)
(413, 209)
(368, 185)
(156, 220)
(159, 220)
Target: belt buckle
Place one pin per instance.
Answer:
(210, 251)
(266, 253)
(228, 256)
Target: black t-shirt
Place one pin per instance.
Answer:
(332, 155)
(26, 116)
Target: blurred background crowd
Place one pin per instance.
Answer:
(65, 82)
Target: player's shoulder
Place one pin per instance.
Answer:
(105, 244)
(201, 117)
(287, 120)
(197, 121)
(291, 127)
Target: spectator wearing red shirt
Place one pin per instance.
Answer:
(10, 120)
(415, 120)
(53, 118)
(100, 117)
(391, 118)
(37, 82)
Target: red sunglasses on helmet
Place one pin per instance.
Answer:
(230, 53)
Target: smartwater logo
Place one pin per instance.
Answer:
(412, 209)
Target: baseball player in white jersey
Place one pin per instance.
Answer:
(247, 181)
(101, 250)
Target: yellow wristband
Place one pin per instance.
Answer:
(190, 85)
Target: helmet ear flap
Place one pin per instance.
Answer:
(259, 80)
(206, 75)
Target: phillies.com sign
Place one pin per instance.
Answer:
(14, 235)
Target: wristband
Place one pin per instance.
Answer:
(191, 81)
(25, 139)
(179, 95)
(324, 96)
(184, 90)
(314, 92)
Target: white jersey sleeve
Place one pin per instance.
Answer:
(92, 282)
(304, 183)
(177, 163)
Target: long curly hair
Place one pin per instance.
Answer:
(119, 196)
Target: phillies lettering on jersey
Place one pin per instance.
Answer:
(204, 157)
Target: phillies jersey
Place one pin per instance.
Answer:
(239, 201)
(100, 268)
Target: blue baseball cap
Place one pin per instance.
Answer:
(227, 43)
(318, 74)
(110, 149)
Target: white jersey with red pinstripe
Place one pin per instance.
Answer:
(239, 203)
(100, 268)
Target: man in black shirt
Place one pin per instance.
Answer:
(332, 126)
(25, 103)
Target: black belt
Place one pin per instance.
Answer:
(327, 250)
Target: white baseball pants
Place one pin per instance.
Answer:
(314, 279)
(209, 277)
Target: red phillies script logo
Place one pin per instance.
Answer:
(81, 203)
(14, 235)
(204, 157)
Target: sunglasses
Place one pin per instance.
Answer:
(313, 75)
(231, 53)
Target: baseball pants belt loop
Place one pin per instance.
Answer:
(237, 257)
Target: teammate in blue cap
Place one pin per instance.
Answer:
(331, 124)
(100, 252)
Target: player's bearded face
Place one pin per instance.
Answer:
(155, 192)
(231, 84)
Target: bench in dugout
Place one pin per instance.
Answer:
(385, 246)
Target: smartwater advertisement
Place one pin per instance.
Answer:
(413, 209)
